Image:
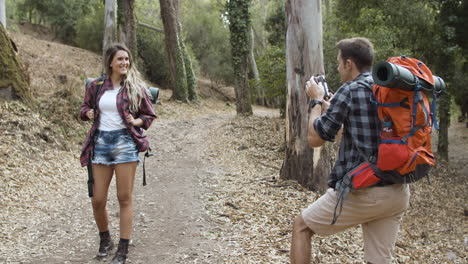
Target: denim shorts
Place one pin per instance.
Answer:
(114, 147)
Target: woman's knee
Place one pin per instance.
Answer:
(98, 204)
(125, 199)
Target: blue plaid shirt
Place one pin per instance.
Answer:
(351, 106)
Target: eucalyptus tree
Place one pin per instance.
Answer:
(183, 83)
(109, 24)
(304, 58)
(239, 26)
(126, 24)
(14, 81)
(3, 13)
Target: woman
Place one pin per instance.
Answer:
(120, 106)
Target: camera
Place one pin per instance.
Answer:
(322, 83)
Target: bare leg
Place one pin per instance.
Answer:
(125, 178)
(102, 179)
(300, 244)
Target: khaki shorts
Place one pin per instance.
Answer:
(378, 209)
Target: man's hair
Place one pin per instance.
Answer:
(359, 50)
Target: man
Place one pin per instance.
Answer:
(377, 209)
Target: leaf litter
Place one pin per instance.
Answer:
(42, 188)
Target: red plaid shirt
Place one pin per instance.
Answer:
(146, 113)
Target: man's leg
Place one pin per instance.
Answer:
(380, 235)
(300, 244)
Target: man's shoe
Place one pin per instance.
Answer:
(121, 254)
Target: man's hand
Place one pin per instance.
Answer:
(313, 90)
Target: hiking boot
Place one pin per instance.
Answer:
(105, 245)
(121, 254)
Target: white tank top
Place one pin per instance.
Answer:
(109, 115)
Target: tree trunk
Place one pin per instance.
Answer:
(109, 25)
(14, 81)
(304, 58)
(126, 24)
(253, 67)
(444, 124)
(3, 13)
(239, 25)
(169, 15)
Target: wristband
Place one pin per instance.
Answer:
(314, 102)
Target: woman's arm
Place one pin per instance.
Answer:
(88, 102)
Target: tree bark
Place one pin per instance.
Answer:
(126, 25)
(109, 25)
(14, 81)
(444, 124)
(239, 25)
(169, 15)
(304, 58)
(3, 13)
(253, 67)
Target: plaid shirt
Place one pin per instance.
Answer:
(146, 113)
(351, 106)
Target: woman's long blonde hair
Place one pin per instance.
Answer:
(132, 81)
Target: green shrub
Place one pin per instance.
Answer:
(90, 29)
(152, 50)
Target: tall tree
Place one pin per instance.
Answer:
(239, 26)
(109, 24)
(14, 81)
(259, 94)
(304, 58)
(2, 13)
(180, 68)
(451, 62)
(126, 24)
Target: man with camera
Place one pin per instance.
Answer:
(377, 209)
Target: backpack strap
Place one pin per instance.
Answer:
(434, 121)
(90, 182)
(344, 185)
(417, 99)
(147, 154)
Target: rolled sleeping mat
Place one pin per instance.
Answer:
(88, 81)
(154, 94)
(394, 76)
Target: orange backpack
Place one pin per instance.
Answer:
(406, 117)
(405, 152)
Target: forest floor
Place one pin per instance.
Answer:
(213, 194)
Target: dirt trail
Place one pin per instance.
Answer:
(171, 223)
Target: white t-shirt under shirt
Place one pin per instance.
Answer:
(109, 115)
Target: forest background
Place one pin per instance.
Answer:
(432, 31)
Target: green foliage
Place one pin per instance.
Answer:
(59, 14)
(152, 51)
(239, 26)
(392, 31)
(90, 28)
(276, 26)
(272, 70)
(208, 36)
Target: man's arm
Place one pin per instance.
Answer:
(313, 137)
(325, 119)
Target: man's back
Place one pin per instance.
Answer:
(351, 107)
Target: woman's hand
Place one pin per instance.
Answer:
(90, 114)
(134, 122)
